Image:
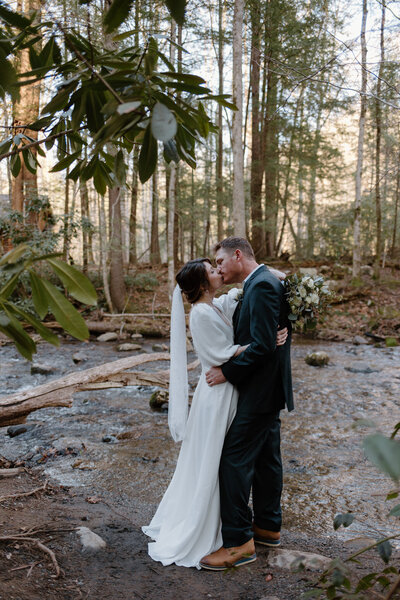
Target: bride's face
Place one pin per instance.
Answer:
(214, 278)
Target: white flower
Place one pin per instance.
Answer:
(311, 283)
(296, 301)
(302, 291)
(308, 299)
(314, 298)
(239, 296)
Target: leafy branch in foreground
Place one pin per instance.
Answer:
(46, 298)
(124, 95)
(338, 580)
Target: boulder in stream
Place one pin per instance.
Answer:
(358, 340)
(317, 359)
(128, 347)
(110, 336)
(90, 540)
(42, 369)
(79, 357)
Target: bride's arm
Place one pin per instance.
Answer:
(279, 274)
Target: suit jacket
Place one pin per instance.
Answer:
(262, 373)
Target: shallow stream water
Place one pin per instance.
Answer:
(325, 468)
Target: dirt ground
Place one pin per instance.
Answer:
(123, 570)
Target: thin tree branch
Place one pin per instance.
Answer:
(32, 144)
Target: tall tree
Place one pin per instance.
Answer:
(378, 126)
(239, 217)
(360, 148)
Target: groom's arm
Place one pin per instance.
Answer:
(264, 307)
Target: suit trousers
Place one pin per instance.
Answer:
(250, 459)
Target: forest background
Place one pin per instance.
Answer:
(306, 167)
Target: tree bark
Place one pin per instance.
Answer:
(360, 149)
(378, 125)
(256, 178)
(220, 147)
(84, 194)
(239, 213)
(133, 211)
(25, 111)
(155, 257)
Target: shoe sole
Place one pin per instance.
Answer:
(238, 563)
(267, 542)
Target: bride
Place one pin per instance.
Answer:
(186, 525)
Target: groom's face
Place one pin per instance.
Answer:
(229, 265)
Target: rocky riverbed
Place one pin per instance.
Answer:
(109, 458)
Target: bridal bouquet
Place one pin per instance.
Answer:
(308, 297)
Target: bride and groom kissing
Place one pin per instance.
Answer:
(231, 438)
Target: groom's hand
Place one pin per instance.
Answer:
(214, 376)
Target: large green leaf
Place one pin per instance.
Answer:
(9, 287)
(384, 453)
(65, 162)
(24, 343)
(8, 76)
(147, 156)
(12, 18)
(14, 255)
(116, 14)
(39, 295)
(15, 164)
(77, 284)
(120, 167)
(58, 102)
(177, 10)
(67, 316)
(42, 330)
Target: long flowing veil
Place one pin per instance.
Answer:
(178, 379)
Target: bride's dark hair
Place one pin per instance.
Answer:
(192, 279)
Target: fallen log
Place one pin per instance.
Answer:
(10, 472)
(59, 392)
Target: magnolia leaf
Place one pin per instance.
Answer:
(13, 18)
(170, 151)
(385, 551)
(65, 162)
(345, 519)
(116, 14)
(77, 284)
(128, 107)
(163, 123)
(14, 255)
(147, 156)
(395, 512)
(177, 10)
(67, 316)
(384, 453)
(39, 295)
(15, 164)
(120, 167)
(42, 330)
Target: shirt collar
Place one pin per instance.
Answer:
(250, 274)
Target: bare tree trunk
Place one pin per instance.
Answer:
(104, 253)
(117, 281)
(257, 230)
(396, 206)
(378, 124)
(84, 218)
(171, 193)
(133, 211)
(239, 213)
(155, 257)
(220, 148)
(313, 183)
(192, 219)
(360, 149)
(66, 217)
(25, 111)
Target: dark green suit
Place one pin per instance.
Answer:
(251, 454)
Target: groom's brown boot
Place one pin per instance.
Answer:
(224, 558)
(272, 539)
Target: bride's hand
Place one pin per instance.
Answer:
(281, 336)
(279, 274)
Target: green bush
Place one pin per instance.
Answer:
(143, 282)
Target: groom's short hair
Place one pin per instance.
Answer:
(233, 243)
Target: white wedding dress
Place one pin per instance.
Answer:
(186, 525)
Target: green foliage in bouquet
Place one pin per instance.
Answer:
(308, 298)
(46, 298)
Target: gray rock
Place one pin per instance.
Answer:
(359, 341)
(42, 369)
(67, 442)
(79, 357)
(90, 541)
(366, 270)
(158, 347)
(110, 336)
(136, 336)
(308, 271)
(15, 430)
(128, 347)
(324, 269)
(293, 559)
(361, 369)
(317, 359)
(108, 438)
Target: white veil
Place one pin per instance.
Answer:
(178, 378)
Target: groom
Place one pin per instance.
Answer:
(251, 454)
